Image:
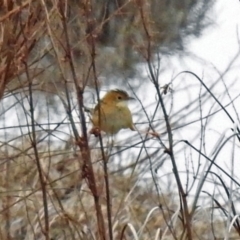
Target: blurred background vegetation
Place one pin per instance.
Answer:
(117, 28)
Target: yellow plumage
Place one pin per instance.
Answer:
(112, 114)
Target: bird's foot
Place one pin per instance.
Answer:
(95, 131)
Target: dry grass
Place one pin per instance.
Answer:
(71, 206)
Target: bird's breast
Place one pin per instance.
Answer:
(113, 118)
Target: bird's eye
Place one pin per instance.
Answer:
(119, 97)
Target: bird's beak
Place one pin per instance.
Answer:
(131, 98)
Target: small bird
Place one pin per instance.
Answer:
(112, 114)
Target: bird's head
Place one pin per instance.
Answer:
(116, 96)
